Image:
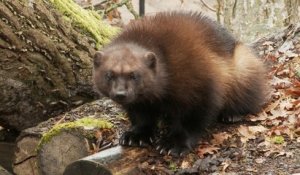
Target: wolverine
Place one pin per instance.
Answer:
(180, 67)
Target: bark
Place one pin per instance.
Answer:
(250, 19)
(25, 155)
(4, 171)
(45, 63)
(292, 9)
(6, 152)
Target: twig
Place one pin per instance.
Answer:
(131, 10)
(116, 5)
(127, 3)
(207, 6)
(234, 9)
(219, 9)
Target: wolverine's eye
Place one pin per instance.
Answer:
(109, 75)
(133, 76)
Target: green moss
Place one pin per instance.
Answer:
(87, 122)
(278, 139)
(88, 20)
(173, 166)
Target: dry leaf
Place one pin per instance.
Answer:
(220, 138)
(260, 117)
(225, 164)
(260, 160)
(98, 134)
(257, 129)
(245, 133)
(206, 149)
(185, 164)
(280, 130)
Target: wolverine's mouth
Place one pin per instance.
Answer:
(120, 101)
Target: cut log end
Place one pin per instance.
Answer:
(60, 151)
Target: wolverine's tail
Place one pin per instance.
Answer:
(248, 91)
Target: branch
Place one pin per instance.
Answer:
(116, 5)
(207, 6)
(131, 10)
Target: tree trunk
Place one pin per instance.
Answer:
(292, 9)
(45, 63)
(249, 19)
(53, 144)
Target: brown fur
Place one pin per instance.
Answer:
(190, 69)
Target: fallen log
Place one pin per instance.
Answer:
(25, 154)
(52, 145)
(4, 171)
(6, 154)
(46, 60)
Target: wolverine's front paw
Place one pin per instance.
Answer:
(132, 138)
(175, 146)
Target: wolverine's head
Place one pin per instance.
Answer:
(125, 73)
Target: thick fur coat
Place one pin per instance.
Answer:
(183, 67)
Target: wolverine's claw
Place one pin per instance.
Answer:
(169, 152)
(141, 143)
(151, 140)
(130, 142)
(158, 147)
(161, 151)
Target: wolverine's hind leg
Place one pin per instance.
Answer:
(247, 92)
(243, 99)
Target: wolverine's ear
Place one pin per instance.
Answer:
(97, 58)
(150, 59)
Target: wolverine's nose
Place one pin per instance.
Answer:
(120, 95)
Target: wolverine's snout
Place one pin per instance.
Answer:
(120, 95)
(119, 92)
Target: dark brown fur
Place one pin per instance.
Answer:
(189, 69)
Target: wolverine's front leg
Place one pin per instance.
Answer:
(185, 127)
(142, 129)
(178, 140)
